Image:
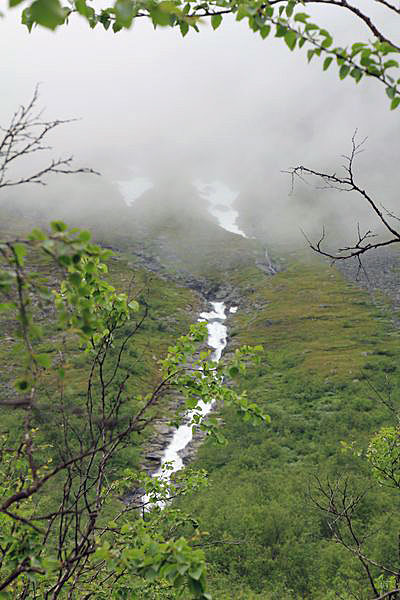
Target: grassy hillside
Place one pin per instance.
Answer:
(325, 344)
(329, 352)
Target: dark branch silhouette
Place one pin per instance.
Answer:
(25, 135)
(365, 240)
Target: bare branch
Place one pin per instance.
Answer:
(347, 183)
(25, 135)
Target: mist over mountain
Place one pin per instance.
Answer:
(228, 107)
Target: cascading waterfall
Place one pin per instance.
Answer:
(220, 200)
(217, 337)
(217, 334)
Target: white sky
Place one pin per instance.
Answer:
(215, 105)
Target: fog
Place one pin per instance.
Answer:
(220, 106)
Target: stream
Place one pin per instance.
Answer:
(217, 334)
(220, 200)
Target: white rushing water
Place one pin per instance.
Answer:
(220, 204)
(220, 199)
(217, 334)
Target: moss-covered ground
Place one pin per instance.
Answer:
(329, 353)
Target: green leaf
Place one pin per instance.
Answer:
(395, 103)
(12, 3)
(124, 12)
(241, 13)
(358, 46)
(87, 11)
(26, 19)
(327, 62)
(391, 63)
(290, 7)
(21, 384)
(116, 27)
(64, 260)
(264, 31)
(37, 235)
(58, 226)
(6, 280)
(291, 39)
(233, 371)
(328, 41)
(105, 20)
(184, 27)
(170, 7)
(216, 21)
(365, 57)
(4, 306)
(372, 70)
(160, 17)
(48, 13)
(386, 47)
(196, 572)
(356, 73)
(195, 587)
(280, 31)
(269, 10)
(301, 17)
(85, 236)
(343, 71)
(75, 279)
(391, 92)
(82, 7)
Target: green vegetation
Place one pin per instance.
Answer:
(328, 351)
(170, 309)
(262, 521)
(73, 519)
(328, 367)
(304, 506)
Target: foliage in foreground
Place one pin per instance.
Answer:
(69, 523)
